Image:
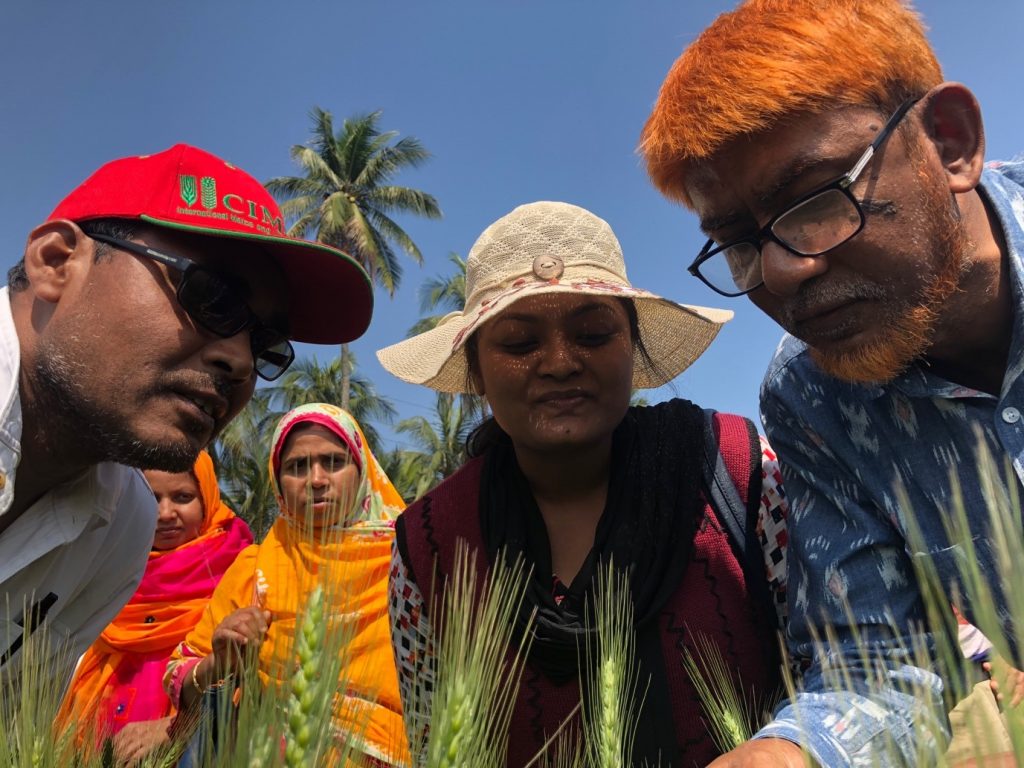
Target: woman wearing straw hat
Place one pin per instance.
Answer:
(567, 476)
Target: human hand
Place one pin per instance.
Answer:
(136, 740)
(245, 627)
(1005, 681)
(763, 753)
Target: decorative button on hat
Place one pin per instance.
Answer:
(551, 248)
(548, 267)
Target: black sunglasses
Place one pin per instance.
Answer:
(812, 225)
(213, 303)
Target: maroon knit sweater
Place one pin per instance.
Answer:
(712, 600)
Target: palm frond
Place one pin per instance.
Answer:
(387, 270)
(355, 141)
(388, 231)
(322, 140)
(445, 292)
(318, 170)
(302, 224)
(388, 161)
(405, 200)
(287, 187)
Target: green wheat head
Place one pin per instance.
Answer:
(729, 718)
(304, 687)
(615, 694)
(476, 676)
(476, 683)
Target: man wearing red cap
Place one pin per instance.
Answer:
(132, 331)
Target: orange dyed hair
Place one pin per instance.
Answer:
(769, 59)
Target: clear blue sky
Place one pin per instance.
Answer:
(517, 102)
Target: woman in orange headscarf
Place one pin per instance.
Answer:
(335, 531)
(117, 689)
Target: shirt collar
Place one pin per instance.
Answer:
(94, 492)
(10, 402)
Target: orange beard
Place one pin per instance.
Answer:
(910, 329)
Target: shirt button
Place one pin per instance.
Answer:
(1011, 415)
(150, 619)
(3, 480)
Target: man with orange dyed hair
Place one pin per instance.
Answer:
(842, 185)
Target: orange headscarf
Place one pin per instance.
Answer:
(118, 680)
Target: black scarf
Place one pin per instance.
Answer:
(651, 513)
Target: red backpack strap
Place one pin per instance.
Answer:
(732, 479)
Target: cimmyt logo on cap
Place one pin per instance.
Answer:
(187, 188)
(206, 192)
(209, 187)
(231, 206)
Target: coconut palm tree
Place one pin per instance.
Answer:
(441, 440)
(441, 293)
(346, 199)
(242, 455)
(404, 469)
(448, 293)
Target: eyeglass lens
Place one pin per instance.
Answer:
(213, 303)
(272, 351)
(818, 224)
(216, 305)
(815, 226)
(739, 266)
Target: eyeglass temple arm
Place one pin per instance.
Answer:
(166, 258)
(179, 262)
(879, 139)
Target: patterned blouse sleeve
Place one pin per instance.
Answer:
(412, 642)
(771, 528)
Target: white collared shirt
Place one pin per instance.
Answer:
(77, 554)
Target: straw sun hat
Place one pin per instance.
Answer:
(551, 248)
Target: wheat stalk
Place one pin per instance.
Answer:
(476, 682)
(728, 718)
(610, 719)
(478, 668)
(309, 640)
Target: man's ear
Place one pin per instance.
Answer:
(952, 122)
(54, 254)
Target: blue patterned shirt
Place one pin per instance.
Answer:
(844, 448)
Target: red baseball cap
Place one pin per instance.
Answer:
(188, 189)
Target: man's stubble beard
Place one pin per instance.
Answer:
(72, 413)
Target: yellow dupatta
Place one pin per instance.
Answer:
(350, 560)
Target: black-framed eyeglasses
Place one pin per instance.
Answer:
(821, 220)
(216, 305)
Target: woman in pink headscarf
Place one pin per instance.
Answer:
(118, 690)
